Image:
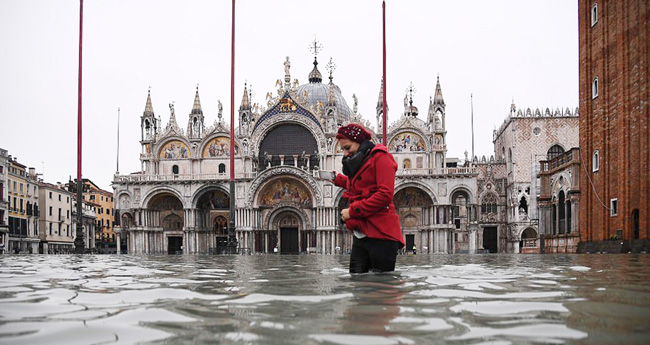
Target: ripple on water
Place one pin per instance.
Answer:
(312, 299)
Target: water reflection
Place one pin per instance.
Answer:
(272, 299)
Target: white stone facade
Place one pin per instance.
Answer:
(180, 201)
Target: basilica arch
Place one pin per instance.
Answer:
(211, 206)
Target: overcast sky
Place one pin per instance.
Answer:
(496, 50)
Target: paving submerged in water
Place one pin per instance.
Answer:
(311, 299)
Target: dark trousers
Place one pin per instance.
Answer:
(370, 254)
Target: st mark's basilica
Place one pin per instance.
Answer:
(180, 201)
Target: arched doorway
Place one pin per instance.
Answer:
(415, 209)
(221, 233)
(528, 243)
(126, 223)
(173, 223)
(289, 225)
(212, 214)
(166, 212)
(461, 208)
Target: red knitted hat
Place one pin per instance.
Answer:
(353, 132)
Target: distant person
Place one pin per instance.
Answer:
(369, 182)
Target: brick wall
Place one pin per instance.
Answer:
(614, 49)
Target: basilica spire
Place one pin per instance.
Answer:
(331, 66)
(437, 98)
(148, 108)
(380, 100)
(195, 124)
(245, 112)
(196, 108)
(245, 102)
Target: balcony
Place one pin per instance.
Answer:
(462, 171)
(180, 177)
(561, 161)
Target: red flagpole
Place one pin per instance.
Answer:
(232, 234)
(383, 10)
(79, 242)
(232, 98)
(81, 16)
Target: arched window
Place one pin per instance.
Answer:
(489, 204)
(595, 161)
(175, 169)
(594, 88)
(220, 226)
(222, 168)
(594, 14)
(554, 151)
(568, 214)
(460, 202)
(561, 212)
(523, 205)
(288, 140)
(172, 222)
(407, 164)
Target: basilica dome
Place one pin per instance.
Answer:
(317, 91)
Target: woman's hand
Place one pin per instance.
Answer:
(345, 214)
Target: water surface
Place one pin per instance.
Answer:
(311, 299)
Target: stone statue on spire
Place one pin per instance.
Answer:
(287, 66)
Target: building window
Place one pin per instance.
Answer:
(489, 204)
(50, 195)
(554, 151)
(175, 170)
(595, 161)
(50, 229)
(222, 168)
(594, 88)
(407, 164)
(613, 207)
(50, 210)
(594, 14)
(59, 197)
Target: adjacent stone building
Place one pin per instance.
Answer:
(4, 204)
(22, 205)
(56, 222)
(508, 183)
(559, 202)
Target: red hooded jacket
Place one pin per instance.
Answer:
(370, 193)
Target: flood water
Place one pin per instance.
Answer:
(311, 299)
